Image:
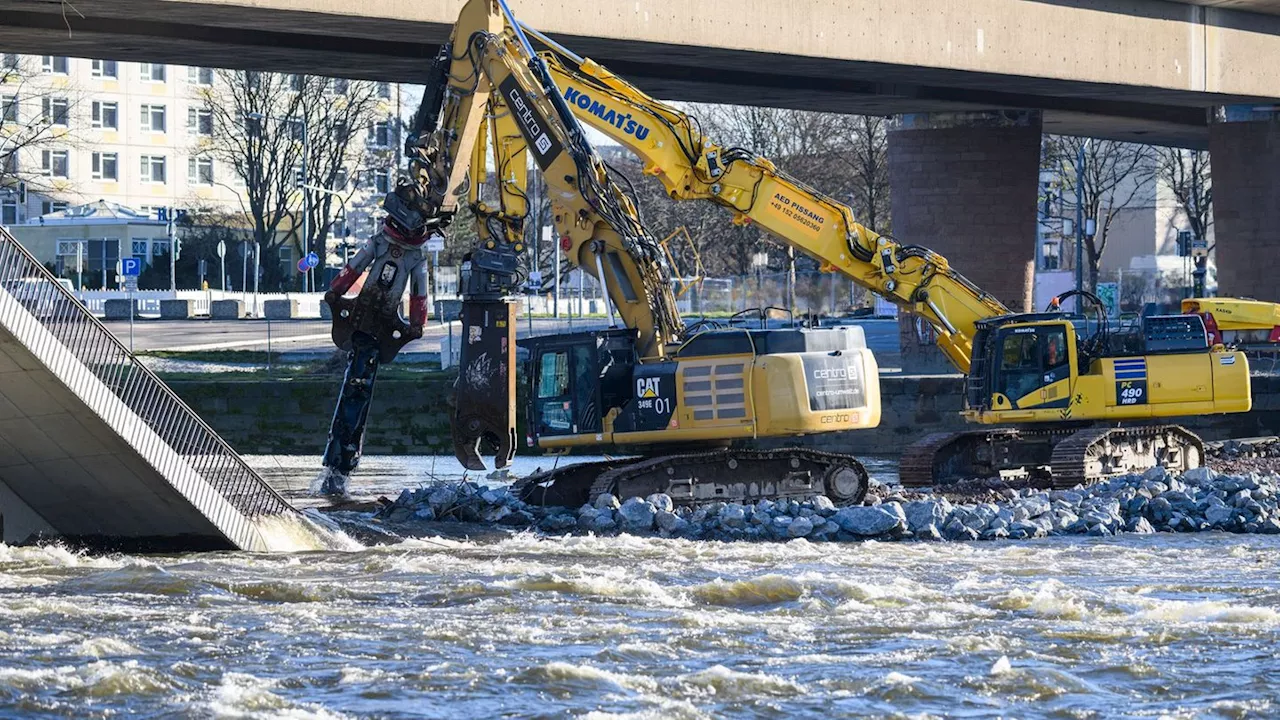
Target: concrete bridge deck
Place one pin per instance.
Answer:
(97, 451)
(1146, 70)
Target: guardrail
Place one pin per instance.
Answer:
(29, 283)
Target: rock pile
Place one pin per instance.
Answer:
(1241, 456)
(1197, 500)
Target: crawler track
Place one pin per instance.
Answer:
(698, 478)
(1068, 455)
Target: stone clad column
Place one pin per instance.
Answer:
(965, 186)
(1244, 155)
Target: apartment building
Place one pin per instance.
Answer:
(128, 134)
(123, 132)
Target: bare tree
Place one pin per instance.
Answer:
(257, 133)
(1114, 176)
(347, 130)
(34, 118)
(1186, 174)
(860, 149)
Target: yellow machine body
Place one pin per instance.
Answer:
(700, 395)
(1021, 384)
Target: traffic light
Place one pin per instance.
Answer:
(1184, 243)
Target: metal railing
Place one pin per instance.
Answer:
(164, 413)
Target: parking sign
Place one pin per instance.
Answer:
(130, 266)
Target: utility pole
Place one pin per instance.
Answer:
(1080, 221)
(791, 283)
(173, 252)
(309, 278)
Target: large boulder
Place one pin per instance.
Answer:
(800, 527)
(662, 502)
(870, 521)
(636, 515)
(924, 514)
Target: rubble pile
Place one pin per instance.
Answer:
(1242, 456)
(1197, 500)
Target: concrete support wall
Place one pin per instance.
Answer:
(408, 416)
(964, 185)
(1244, 151)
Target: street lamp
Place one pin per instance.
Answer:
(302, 184)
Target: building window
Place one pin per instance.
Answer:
(384, 90)
(152, 72)
(106, 166)
(153, 169)
(10, 61)
(199, 121)
(200, 76)
(140, 248)
(105, 68)
(55, 111)
(340, 179)
(9, 108)
(49, 206)
(299, 179)
(286, 254)
(159, 246)
(153, 118)
(340, 86)
(53, 163)
(297, 82)
(297, 129)
(382, 181)
(56, 64)
(106, 115)
(8, 212)
(200, 171)
(380, 134)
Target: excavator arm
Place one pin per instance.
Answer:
(490, 79)
(691, 167)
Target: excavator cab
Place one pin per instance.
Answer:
(1027, 361)
(574, 380)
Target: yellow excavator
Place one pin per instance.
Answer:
(1084, 398)
(680, 395)
(1066, 379)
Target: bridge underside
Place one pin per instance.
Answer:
(223, 34)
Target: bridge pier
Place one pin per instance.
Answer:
(964, 184)
(1244, 149)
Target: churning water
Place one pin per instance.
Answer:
(517, 625)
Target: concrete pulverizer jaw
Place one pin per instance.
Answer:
(484, 415)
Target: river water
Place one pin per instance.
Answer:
(522, 626)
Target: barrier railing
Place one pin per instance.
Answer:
(28, 282)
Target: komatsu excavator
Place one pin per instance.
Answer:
(1079, 399)
(679, 396)
(1066, 379)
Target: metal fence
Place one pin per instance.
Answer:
(93, 345)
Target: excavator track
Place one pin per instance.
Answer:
(1069, 456)
(1099, 453)
(692, 479)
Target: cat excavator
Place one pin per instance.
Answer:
(1074, 398)
(681, 396)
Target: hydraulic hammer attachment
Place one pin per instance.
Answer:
(484, 395)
